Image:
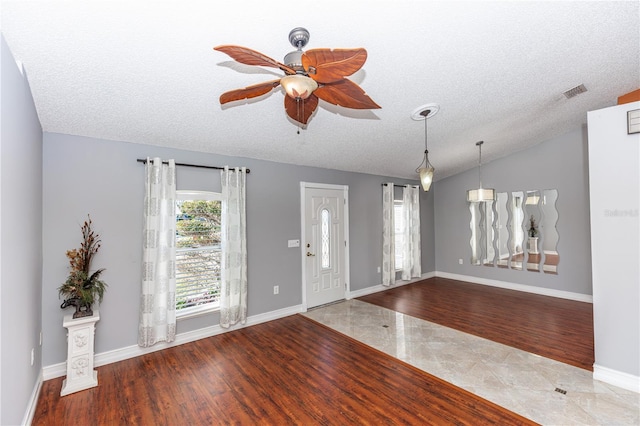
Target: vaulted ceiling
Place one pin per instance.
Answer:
(145, 72)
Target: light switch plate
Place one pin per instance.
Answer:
(294, 243)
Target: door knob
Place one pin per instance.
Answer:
(310, 254)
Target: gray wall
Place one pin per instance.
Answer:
(102, 178)
(20, 242)
(559, 163)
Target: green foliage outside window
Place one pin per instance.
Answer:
(198, 223)
(198, 244)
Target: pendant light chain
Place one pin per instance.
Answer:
(426, 150)
(425, 159)
(480, 163)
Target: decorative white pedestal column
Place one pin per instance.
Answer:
(80, 335)
(533, 245)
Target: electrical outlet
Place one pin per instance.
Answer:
(460, 261)
(276, 289)
(33, 355)
(40, 337)
(378, 269)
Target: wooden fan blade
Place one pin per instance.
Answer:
(248, 92)
(328, 66)
(347, 94)
(247, 56)
(300, 110)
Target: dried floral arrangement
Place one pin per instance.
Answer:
(83, 287)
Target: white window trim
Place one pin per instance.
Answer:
(196, 311)
(200, 195)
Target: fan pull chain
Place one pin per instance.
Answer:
(302, 102)
(298, 110)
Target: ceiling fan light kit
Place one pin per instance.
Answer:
(317, 74)
(481, 194)
(425, 172)
(298, 86)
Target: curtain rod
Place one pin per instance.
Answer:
(143, 160)
(415, 186)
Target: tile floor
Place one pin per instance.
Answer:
(519, 381)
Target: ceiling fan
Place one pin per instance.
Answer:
(309, 76)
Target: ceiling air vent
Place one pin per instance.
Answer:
(574, 91)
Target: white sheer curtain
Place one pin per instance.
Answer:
(233, 284)
(411, 252)
(388, 236)
(157, 300)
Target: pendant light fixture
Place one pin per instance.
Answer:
(480, 194)
(425, 169)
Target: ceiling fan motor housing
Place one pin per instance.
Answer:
(298, 37)
(294, 60)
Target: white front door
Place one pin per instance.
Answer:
(324, 244)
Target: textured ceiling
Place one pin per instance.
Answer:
(145, 72)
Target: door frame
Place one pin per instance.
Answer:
(303, 240)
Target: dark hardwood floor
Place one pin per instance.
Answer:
(295, 371)
(288, 371)
(555, 328)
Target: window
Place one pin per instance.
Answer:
(398, 225)
(326, 238)
(198, 252)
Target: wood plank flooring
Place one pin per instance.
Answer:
(555, 328)
(287, 371)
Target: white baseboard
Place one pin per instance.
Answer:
(33, 401)
(104, 358)
(519, 287)
(380, 287)
(616, 378)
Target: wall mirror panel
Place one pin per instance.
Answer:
(533, 214)
(474, 225)
(491, 231)
(517, 230)
(501, 231)
(482, 233)
(550, 231)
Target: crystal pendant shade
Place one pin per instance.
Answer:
(426, 176)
